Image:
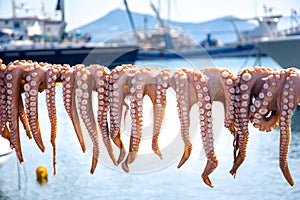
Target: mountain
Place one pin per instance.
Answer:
(117, 21)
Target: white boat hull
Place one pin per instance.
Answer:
(284, 50)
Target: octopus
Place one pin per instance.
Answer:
(267, 98)
(262, 96)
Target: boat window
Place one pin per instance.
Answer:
(17, 25)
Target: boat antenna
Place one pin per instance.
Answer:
(294, 17)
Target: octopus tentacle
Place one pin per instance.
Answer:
(13, 78)
(221, 85)
(182, 88)
(202, 96)
(50, 78)
(249, 83)
(159, 105)
(288, 102)
(136, 113)
(120, 78)
(84, 98)
(34, 79)
(101, 76)
(204, 102)
(23, 118)
(68, 86)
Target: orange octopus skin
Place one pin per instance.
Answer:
(100, 75)
(69, 86)
(50, 78)
(84, 99)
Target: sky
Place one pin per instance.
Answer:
(80, 12)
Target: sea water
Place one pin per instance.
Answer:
(258, 178)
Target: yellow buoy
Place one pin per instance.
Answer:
(42, 174)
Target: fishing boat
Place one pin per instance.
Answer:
(71, 54)
(53, 45)
(166, 42)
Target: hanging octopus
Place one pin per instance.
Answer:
(262, 96)
(249, 83)
(273, 105)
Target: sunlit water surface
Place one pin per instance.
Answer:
(258, 178)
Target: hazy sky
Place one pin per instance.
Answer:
(79, 12)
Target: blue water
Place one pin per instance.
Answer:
(258, 178)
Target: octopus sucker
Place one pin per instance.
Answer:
(263, 96)
(84, 99)
(69, 85)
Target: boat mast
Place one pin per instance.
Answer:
(237, 31)
(130, 18)
(169, 44)
(169, 13)
(61, 6)
(15, 7)
(14, 14)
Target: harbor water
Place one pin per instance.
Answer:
(258, 178)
